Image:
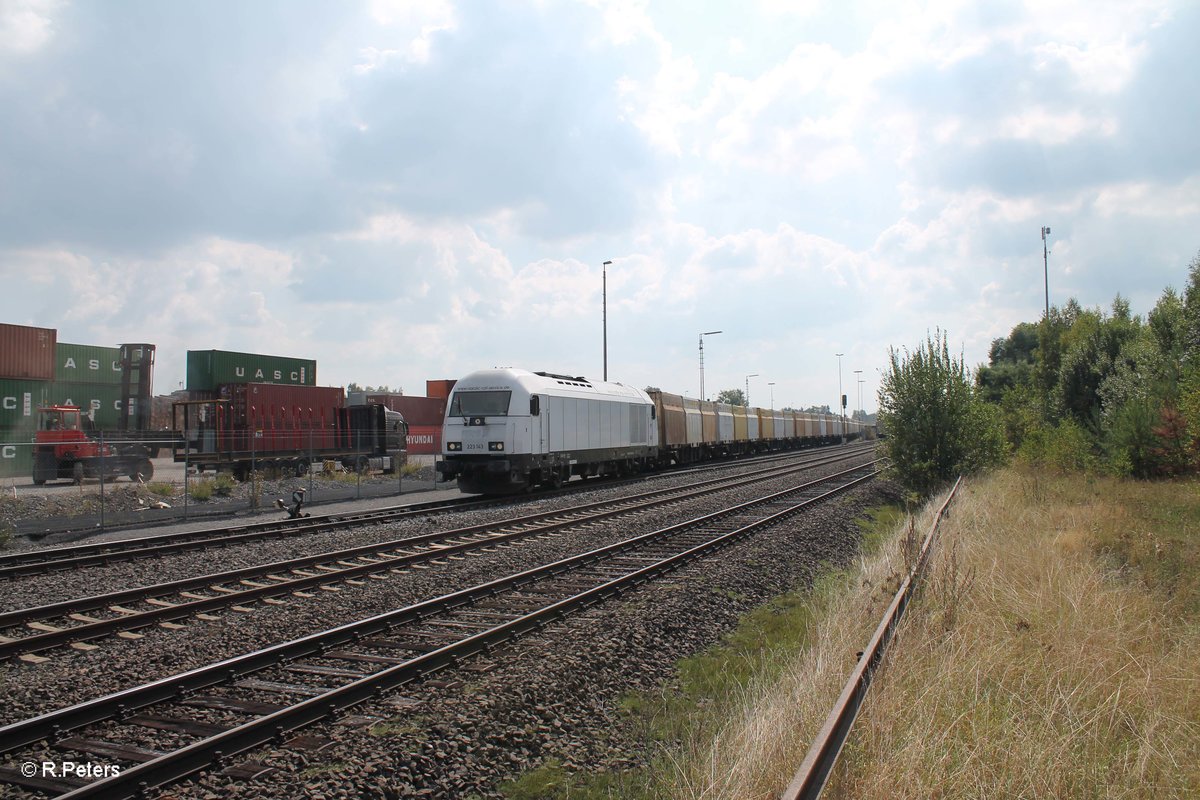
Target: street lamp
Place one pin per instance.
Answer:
(841, 397)
(860, 380)
(748, 377)
(861, 410)
(604, 295)
(772, 385)
(1046, 269)
(706, 333)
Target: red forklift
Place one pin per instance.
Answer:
(65, 449)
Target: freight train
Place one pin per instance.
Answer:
(508, 430)
(249, 426)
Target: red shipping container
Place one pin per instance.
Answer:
(439, 389)
(424, 440)
(27, 353)
(273, 417)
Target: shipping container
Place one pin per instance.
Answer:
(439, 389)
(27, 353)
(16, 451)
(102, 403)
(19, 402)
(85, 363)
(424, 439)
(208, 369)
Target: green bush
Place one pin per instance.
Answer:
(937, 426)
(202, 489)
(1064, 448)
(161, 488)
(223, 485)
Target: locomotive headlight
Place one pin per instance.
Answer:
(454, 446)
(495, 446)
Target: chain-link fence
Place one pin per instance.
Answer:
(112, 482)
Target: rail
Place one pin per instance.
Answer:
(822, 755)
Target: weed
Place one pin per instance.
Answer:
(161, 488)
(201, 489)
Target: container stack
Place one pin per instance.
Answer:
(89, 376)
(27, 357)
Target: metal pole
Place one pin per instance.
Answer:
(858, 372)
(1046, 269)
(102, 466)
(357, 464)
(748, 377)
(772, 385)
(311, 496)
(604, 270)
(706, 333)
(186, 454)
(841, 414)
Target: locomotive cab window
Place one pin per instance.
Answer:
(480, 404)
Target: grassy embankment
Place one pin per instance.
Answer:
(1054, 652)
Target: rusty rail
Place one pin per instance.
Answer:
(822, 755)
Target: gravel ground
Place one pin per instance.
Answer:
(456, 740)
(554, 695)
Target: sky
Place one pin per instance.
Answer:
(406, 191)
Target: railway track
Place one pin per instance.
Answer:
(226, 709)
(76, 622)
(37, 562)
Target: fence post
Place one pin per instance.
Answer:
(102, 468)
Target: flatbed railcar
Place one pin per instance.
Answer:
(508, 430)
(250, 426)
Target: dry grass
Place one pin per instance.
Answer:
(1039, 661)
(1031, 668)
(757, 752)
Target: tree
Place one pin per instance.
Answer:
(734, 397)
(937, 426)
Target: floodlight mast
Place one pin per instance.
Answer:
(706, 333)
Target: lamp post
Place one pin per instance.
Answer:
(858, 372)
(604, 302)
(772, 385)
(706, 333)
(842, 413)
(1046, 269)
(748, 377)
(861, 410)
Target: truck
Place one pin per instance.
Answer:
(67, 448)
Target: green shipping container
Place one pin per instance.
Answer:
(16, 450)
(85, 363)
(103, 403)
(208, 369)
(19, 401)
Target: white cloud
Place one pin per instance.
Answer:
(26, 26)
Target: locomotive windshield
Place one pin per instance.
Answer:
(480, 404)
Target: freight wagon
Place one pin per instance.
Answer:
(509, 430)
(249, 426)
